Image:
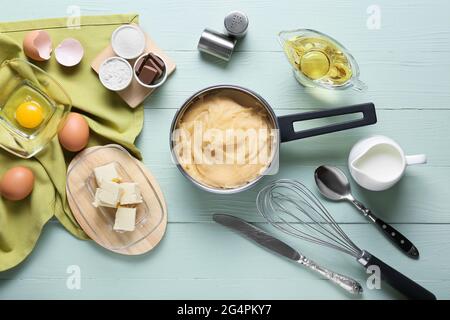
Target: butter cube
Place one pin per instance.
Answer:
(130, 193)
(108, 195)
(125, 219)
(106, 173)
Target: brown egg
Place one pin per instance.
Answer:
(37, 45)
(74, 136)
(17, 183)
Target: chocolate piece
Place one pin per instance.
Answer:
(147, 74)
(153, 64)
(158, 61)
(141, 63)
(150, 68)
(139, 66)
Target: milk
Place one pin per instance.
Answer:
(377, 163)
(382, 162)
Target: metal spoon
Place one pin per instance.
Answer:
(334, 185)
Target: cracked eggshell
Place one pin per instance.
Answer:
(37, 45)
(69, 52)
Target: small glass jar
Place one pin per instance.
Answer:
(22, 82)
(318, 60)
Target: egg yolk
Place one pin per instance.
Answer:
(29, 114)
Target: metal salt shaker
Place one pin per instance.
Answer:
(236, 24)
(216, 44)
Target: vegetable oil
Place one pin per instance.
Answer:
(318, 59)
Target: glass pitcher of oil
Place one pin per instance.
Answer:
(319, 60)
(33, 107)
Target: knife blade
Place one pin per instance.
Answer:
(258, 235)
(279, 247)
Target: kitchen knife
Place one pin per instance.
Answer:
(277, 246)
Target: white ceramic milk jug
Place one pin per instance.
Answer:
(378, 162)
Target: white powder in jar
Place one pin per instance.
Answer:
(115, 73)
(128, 41)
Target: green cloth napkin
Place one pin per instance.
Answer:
(109, 118)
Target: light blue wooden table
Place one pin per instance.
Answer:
(406, 66)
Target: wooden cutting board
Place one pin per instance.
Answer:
(135, 93)
(97, 223)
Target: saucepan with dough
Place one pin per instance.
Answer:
(225, 138)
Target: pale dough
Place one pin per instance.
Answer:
(216, 115)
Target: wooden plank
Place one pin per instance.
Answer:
(421, 196)
(178, 24)
(403, 63)
(196, 289)
(395, 82)
(209, 261)
(417, 132)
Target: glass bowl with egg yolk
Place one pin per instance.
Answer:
(29, 114)
(33, 107)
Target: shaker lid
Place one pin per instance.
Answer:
(236, 23)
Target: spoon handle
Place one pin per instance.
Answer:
(390, 232)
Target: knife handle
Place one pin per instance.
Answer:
(344, 282)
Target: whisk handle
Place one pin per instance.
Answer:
(397, 280)
(341, 280)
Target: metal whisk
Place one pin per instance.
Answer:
(278, 202)
(291, 207)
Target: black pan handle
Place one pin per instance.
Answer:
(397, 280)
(286, 123)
